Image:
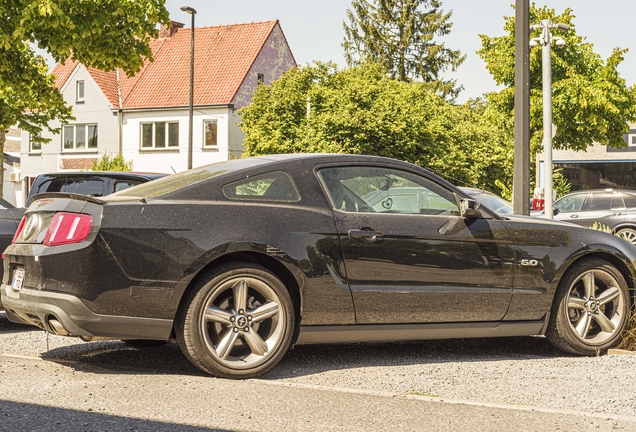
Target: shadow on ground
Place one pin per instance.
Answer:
(23, 416)
(309, 359)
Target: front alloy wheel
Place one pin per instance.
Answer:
(237, 322)
(591, 308)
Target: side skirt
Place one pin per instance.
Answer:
(394, 332)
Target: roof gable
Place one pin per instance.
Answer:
(223, 57)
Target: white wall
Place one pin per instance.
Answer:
(95, 109)
(170, 160)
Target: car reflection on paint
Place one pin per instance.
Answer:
(240, 260)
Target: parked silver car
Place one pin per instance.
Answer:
(615, 209)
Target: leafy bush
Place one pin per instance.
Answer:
(106, 163)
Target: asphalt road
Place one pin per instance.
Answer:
(53, 383)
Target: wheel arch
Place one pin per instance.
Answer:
(624, 225)
(627, 270)
(279, 269)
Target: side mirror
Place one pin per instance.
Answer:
(469, 208)
(555, 212)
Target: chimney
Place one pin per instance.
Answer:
(165, 32)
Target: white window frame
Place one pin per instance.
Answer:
(205, 145)
(167, 146)
(31, 143)
(80, 88)
(631, 140)
(75, 149)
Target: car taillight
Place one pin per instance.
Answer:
(67, 228)
(20, 228)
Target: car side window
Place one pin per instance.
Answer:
(598, 202)
(630, 200)
(383, 190)
(274, 186)
(124, 184)
(617, 202)
(570, 203)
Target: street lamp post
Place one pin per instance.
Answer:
(191, 11)
(546, 42)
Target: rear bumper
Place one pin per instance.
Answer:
(38, 308)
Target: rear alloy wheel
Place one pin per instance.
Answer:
(628, 234)
(237, 322)
(591, 308)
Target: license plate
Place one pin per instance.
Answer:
(18, 277)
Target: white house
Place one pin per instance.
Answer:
(146, 117)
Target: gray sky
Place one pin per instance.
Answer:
(314, 28)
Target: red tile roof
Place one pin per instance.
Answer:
(223, 57)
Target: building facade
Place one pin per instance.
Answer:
(145, 117)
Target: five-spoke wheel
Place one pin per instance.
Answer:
(237, 322)
(590, 309)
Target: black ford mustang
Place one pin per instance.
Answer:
(239, 260)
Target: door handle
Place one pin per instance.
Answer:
(574, 216)
(366, 235)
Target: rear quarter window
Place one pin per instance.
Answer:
(276, 186)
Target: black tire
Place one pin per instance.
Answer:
(236, 321)
(590, 309)
(628, 234)
(144, 343)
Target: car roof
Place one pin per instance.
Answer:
(111, 174)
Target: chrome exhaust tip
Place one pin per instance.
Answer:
(57, 328)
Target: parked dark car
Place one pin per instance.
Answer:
(93, 183)
(616, 209)
(240, 260)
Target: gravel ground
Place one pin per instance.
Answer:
(517, 371)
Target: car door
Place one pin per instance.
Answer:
(569, 208)
(600, 208)
(410, 257)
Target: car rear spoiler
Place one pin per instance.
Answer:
(74, 196)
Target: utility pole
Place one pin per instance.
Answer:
(521, 175)
(546, 43)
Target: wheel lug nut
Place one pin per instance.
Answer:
(232, 319)
(241, 311)
(236, 330)
(246, 329)
(249, 318)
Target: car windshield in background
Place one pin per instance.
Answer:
(490, 200)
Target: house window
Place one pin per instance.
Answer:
(631, 140)
(79, 137)
(260, 77)
(159, 135)
(34, 145)
(79, 91)
(211, 133)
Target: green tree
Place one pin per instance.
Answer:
(363, 111)
(108, 163)
(105, 34)
(399, 35)
(590, 102)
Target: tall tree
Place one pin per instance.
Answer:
(105, 34)
(590, 102)
(399, 35)
(361, 110)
